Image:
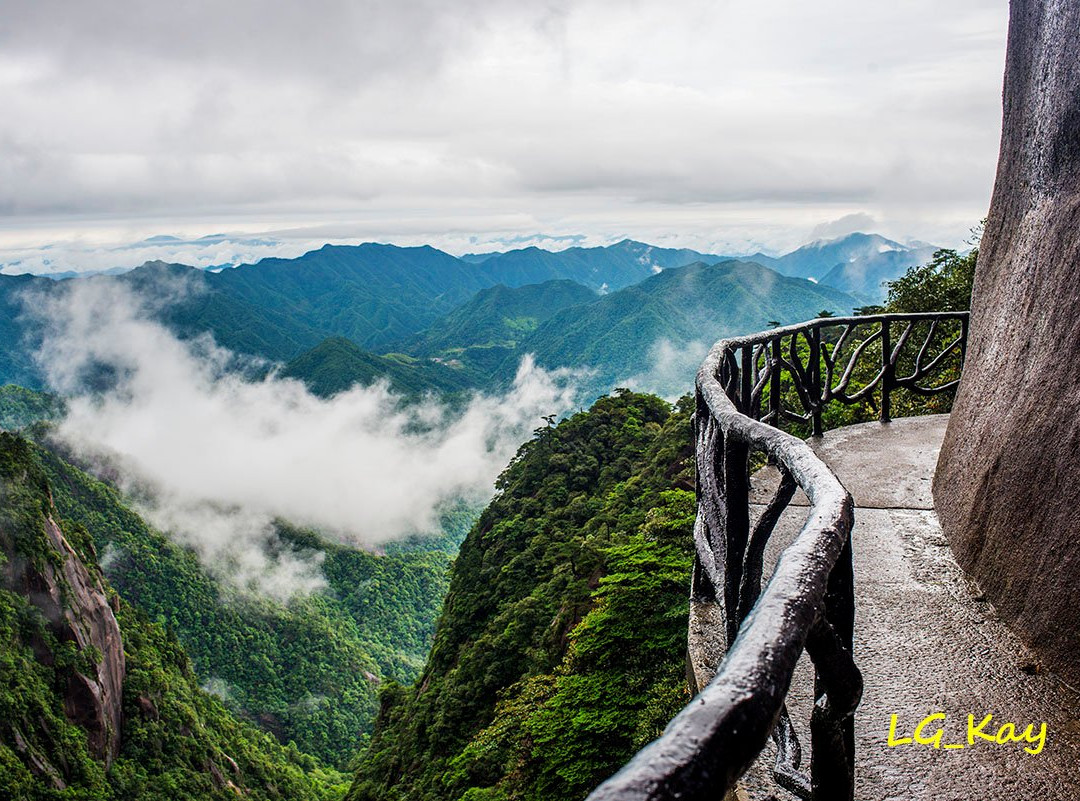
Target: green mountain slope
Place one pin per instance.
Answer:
(276, 309)
(688, 308)
(308, 671)
(601, 268)
(381, 296)
(248, 325)
(857, 263)
(560, 649)
(72, 654)
(373, 294)
(499, 316)
(336, 364)
(21, 407)
(16, 342)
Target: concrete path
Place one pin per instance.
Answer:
(927, 643)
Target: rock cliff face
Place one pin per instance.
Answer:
(74, 603)
(1007, 487)
(93, 699)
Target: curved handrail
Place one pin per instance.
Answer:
(808, 602)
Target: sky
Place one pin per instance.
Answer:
(727, 126)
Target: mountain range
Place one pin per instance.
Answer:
(857, 263)
(422, 318)
(601, 268)
(659, 329)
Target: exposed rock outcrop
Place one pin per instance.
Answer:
(1007, 488)
(77, 609)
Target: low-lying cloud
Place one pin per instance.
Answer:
(670, 370)
(217, 458)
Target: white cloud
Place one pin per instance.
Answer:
(670, 371)
(218, 458)
(95, 256)
(720, 121)
(842, 226)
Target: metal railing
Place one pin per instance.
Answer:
(746, 388)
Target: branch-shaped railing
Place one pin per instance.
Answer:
(746, 389)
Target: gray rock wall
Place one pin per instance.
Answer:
(74, 603)
(1007, 487)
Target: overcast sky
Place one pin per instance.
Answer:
(724, 125)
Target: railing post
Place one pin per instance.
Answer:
(832, 727)
(736, 527)
(814, 369)
(736, 499)
(887, 371)
(774, 384)
(746, 376)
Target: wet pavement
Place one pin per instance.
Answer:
(928, 643)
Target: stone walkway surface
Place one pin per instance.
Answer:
(927, 643)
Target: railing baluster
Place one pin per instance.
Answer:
(755, 549)
(887, 370)
(837, 687)
(736, 522)
(774, 384)
(814, 368)
(746, 375)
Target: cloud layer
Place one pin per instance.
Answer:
(217, 458)
(594, 117)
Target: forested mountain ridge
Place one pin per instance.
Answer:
(560, 648)
(21, 407)
(308, 671)
(336, 364)
(419, 301)
(619, 338)
(686, 307)
(98, 702)
(608, 268)
(372, 294)
(857, 263)
(499, 315)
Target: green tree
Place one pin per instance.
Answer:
(942, 284)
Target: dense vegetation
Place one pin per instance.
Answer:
(21, 407)
(686, 307)
(943, 283)
(484, 330)
(336, 364)
(176, 741)
(604, 269)
(560, 649)
(309, 670)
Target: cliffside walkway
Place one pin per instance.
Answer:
(926, 642)
(825, 601)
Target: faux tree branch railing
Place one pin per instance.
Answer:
(808, 603)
